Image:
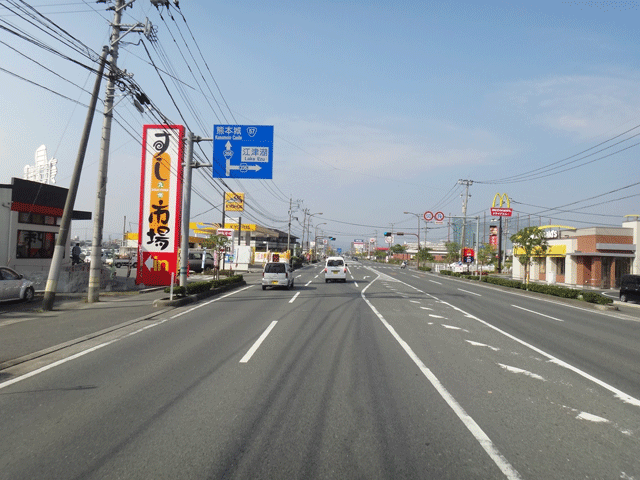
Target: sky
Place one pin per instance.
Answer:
(378, 108)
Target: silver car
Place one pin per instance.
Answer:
(277, 274)
(14, 286)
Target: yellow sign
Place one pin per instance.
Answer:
(246, 227)
(131, 236)
(234, 202)
(552, 251)
(502, 197)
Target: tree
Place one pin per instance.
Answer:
(397, 248)
(216, 243)
(453, 252)
(530, 241)
(424, 255)
(486, 254)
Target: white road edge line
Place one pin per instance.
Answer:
(97, 347)
(538, 313)
(485, 442)
(256, 345)
(294, 297)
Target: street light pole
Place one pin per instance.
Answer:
(309, 229)
(418, 254)
(315, 250)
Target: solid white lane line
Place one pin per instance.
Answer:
(482, 438)
(472, 293)
(256, 345)
(294, 297)
(538, 313)
(97, 347)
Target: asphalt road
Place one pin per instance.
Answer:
(394, 374)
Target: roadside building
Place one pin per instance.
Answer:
(30, 216)
(588, 257)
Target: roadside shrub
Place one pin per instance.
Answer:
(197, 287)
(594, 297)
(426, 269)
(296, 262)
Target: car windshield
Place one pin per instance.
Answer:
(275, 268)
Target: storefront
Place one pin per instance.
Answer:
(30, 215)
(594, 256)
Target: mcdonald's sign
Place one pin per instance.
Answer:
(501, 211)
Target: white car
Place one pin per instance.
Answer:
(14, 286)
(277, 274)
(335, 270)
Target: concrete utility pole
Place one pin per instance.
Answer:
(98, 223)
(467, 183)
(63, 235)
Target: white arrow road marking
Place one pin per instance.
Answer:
(523, 372)
(478, 344)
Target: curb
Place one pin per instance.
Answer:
(182, 301)
(55, 348)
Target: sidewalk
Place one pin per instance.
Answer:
(28, 332)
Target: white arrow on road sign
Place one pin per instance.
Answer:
(243, 167)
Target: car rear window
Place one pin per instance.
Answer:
(335, 263)
(275, 268)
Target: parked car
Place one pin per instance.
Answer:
(277, 274)
(121, 262)
(629, 287)
(195, 261)
(335, 269)
(13, 286)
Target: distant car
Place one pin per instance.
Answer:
(629, 288)
(195, 262)
(277, 274)
(335, 270)
(13, 286)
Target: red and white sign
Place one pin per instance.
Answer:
(160, 202)
(428, 216)
(227, 232)
(501, 212)
(439, 217)
(372, 240)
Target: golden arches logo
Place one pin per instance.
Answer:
(502, 197)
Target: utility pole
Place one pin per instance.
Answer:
(101, 189)
(63, 235)
(467, 183)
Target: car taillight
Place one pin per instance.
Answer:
(286, 274)
(345, 270)
(263, 274)
(325, 270)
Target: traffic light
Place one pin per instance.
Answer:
(387, 234)
(332, 238)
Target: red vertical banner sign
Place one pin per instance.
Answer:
(160, 204)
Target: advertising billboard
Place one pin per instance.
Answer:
(160, 204)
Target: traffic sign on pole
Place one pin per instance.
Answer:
(243, 151)
(428, 216)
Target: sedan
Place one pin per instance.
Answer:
(14, 286)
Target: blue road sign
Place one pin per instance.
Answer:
(243, 151)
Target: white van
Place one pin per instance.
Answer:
(335, 270)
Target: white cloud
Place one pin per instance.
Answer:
(384, 146)
(583, 106)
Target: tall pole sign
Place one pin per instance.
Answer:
(160, 202)
(501, 211)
